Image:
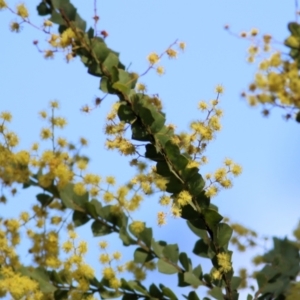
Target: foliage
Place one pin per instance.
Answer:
(170, 167)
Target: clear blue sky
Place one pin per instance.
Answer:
(264, 198)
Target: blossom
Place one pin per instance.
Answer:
(153, 58)
(22, 11)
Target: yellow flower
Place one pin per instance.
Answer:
(22, 11)
(114, 283)
(182, 46)
(171, 53)
(111, 180)
(54, 104)
(224, 262)
(46, 133)
(137, 226)
(254, 32)
(161, 218)
(49, 54)
(104, 258)
(79, 188)
(236, 170)
(81, 164)
(153, 58)
(211, 191)
(82, 247)
(14, 26)
(165, 200)
(176, 211)
(6, 116)
(160, 70)
(47, 23)
(108, 197)
(220, 174)
(117, 255)
(202, 105)
(2, 4)
(108, 273)
(219, 89)
(184, 198)
(141, 87)
(103, 244)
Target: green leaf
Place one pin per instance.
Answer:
(201, 249)
(66, 7)
(212, 217)
(126, 114)
(121, 87)
(164, 135)
(125, 285)
(196, 184)
(100, 229)
(198, 227)
(125, 237)
(80, 218)
(171, 252)
(294, 28)
(249, 297)
(55, 277)
(90, 33)
(155, 291)
(166, 268)
(185, 261)
(43, 9)
(152, 154)
(111, 62)
(173, 153)
(167, 292)
(158, 247)
(60, 295)
(70, 199)
(138, 131)
(95, 70)
(261, 279)
(93, 208)
(163, 169)
(107, 294)
(235, 282)
(128, 79)
(105, 86)
(198, 272)
(40, 275)
(191, 279)
(44, 199)
(56, 18)
(181, 282)
(141, 256)
(224, 233)
(100, 49)
(174, 185)
(189, 213)
(192, 296)
(146, 236)
(80, 23)
(216, 292)
(298, 117)
(135, 285)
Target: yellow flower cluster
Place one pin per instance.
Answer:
(153, 58)
(138, 270)
(109, 272)
(220, 177)
(276, 82)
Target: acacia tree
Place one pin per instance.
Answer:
(167, 163)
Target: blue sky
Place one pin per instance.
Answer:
(264, 197)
